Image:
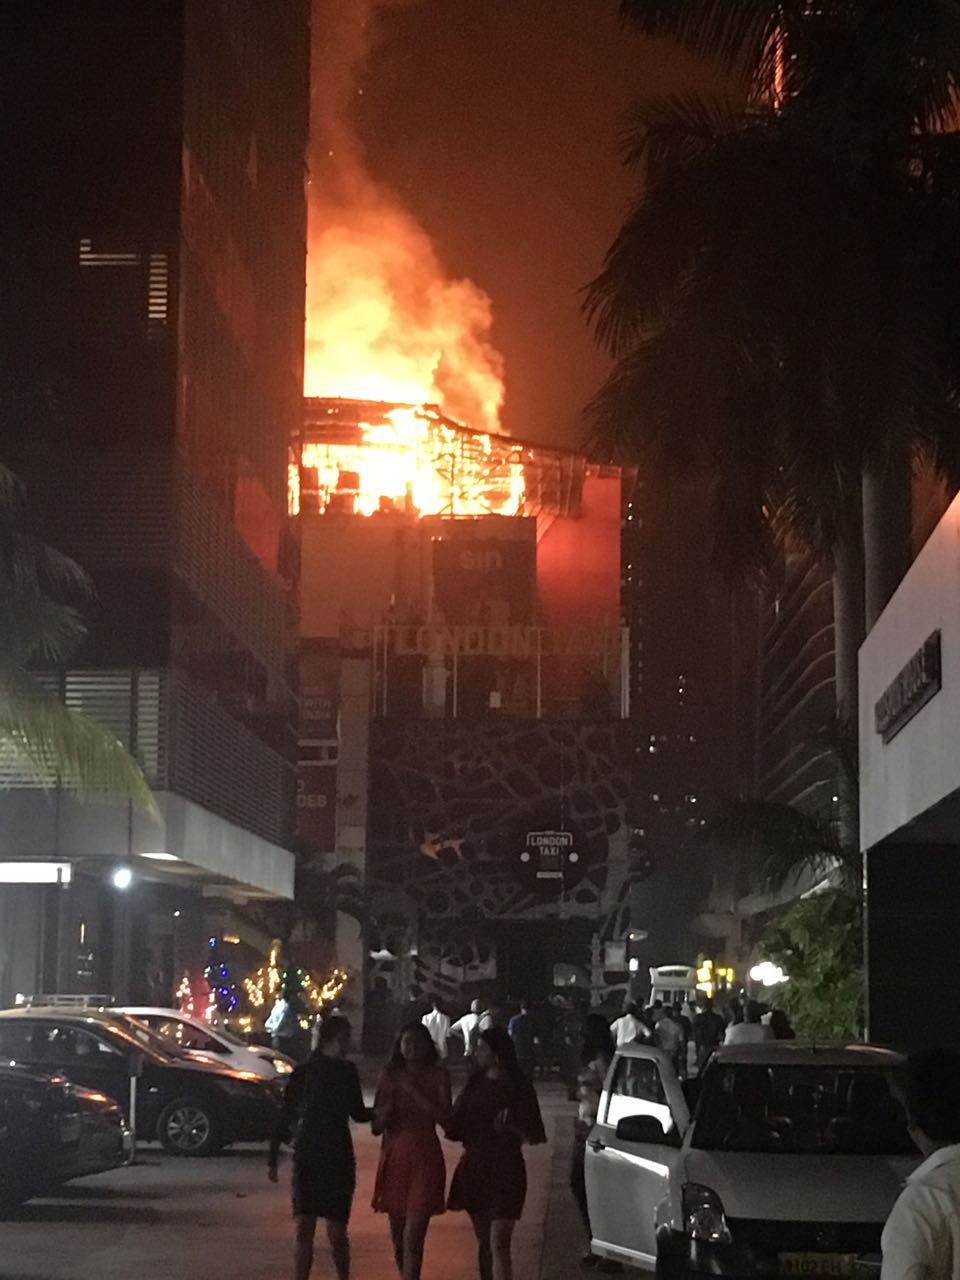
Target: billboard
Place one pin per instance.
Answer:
(319, 689)
(317, 806)
(485, 581)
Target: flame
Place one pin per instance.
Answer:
(384, 322)
(412, 461)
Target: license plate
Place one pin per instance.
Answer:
(818, 1264)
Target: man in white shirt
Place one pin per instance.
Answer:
(751, 1030)
(468, 1027)
(921, 1240)
(438, 1024)
(628, 1027)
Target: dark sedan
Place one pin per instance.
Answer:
(52, 1131)
(192, 1108)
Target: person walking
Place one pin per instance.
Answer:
(496, 1113)
(283, 1025)
(669, 1037)
(596, 1053)
(751, 1030)
(708, 1031)
(921, 1239)
(467, 1027)
(322, 1096)
(628, 1027)
(412, 1098)
(438, 1024)
(523, 1034)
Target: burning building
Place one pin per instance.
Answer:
(464, 690)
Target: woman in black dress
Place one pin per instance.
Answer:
(495, 1114)
(320, 1100)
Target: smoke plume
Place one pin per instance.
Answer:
(384, 320)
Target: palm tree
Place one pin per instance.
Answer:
(782, 298)
(41, 739)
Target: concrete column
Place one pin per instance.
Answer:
(352, 798)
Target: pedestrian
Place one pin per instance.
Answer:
(779, 1025)
(467, 1027)
(708, 1031)
(596, 1054)
(283, 1025)
(492, 1016)
(921, 1240)
(320, 1099)
(524, 1038)
(494, 1115)
(669, 1037)
(438, 1024)
(751, 1030)
(413, 1097)
(628, 1027)
(571, 1030)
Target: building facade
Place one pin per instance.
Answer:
(461, 633)
(154, 260)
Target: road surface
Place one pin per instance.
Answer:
(219, 1219)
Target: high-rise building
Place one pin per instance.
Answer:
(152, 276)
(464, 682)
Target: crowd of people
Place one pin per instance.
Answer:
(494, 1115)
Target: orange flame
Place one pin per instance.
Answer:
(411, 461)
(385, 323)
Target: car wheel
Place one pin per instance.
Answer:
(188, 1127)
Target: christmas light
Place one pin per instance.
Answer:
(269, 980)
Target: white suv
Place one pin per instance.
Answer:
(789, 1166)
(212, 1044)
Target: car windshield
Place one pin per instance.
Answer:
(800, 1109)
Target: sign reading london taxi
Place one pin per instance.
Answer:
(549, 848)
(911, 690)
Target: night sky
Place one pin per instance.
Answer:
(498, 123)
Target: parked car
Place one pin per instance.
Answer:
(52, 1131)
(193, 1108)
(199, 1040)
(789, 1166)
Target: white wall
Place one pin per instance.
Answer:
(920, 767)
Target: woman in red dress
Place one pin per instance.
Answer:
(495, 1115)
(413, 1097)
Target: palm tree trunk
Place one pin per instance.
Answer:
(887, 514)
(849, 631)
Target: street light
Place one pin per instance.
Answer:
(122, 878)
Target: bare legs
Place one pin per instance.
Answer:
(493, 1247)
(481, 1229)
(408, 1235)
(501, 1235)
(339, 1247)
(303, 1250)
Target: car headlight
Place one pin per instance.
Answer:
(703, 1216)
(281, 1066)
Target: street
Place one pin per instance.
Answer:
(167, 1217)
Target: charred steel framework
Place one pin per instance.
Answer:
(469, 463)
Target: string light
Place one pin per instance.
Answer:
(264, 985)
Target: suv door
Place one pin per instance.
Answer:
(628, 1181)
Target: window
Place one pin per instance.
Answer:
(637, 1090)
(185, 1036)
(19, 1041)
(72, 1044)
(800, 1110)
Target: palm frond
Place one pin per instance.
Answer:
(55, 745)
(740, 35)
